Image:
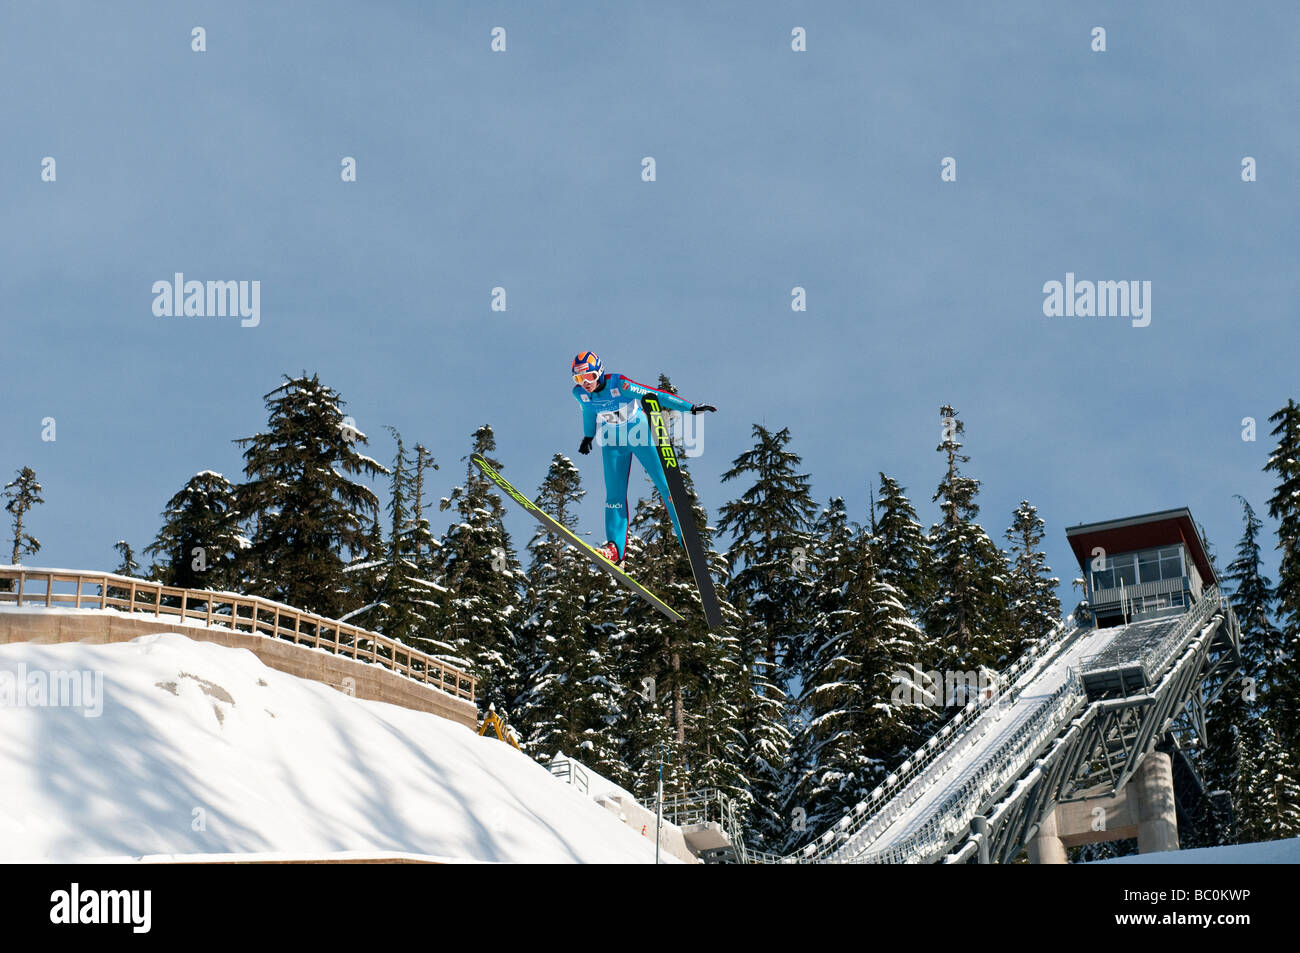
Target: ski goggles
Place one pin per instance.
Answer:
(590, 377)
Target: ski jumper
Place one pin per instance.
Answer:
(625, 432)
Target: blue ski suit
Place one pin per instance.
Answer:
(625, 432)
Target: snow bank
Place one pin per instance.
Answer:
(201, 749)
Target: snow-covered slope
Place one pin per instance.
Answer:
(1268, 852)
(201, 749)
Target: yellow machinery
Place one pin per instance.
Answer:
(497, 723)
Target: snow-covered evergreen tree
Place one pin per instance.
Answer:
(765, 743)
(770, 524)
(23, 492)
(366, 572)
(395, 586)
(1270, 799)
(482, 572)
(571, 700)
(865, 640)
(199, 543)
(311, 519)
(1236, 723)
(1253, 602)
(127, 565)
(1033, 609)
(818, 744)
(903, 552)
(967, 617)
(1284, 506)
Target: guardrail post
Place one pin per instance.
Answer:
(979, 825)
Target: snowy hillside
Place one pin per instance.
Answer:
(201, 749)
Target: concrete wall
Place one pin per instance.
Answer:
(369, 681)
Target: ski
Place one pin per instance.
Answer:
(681, 505)
(574, 539)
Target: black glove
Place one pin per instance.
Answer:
(700, 408)
(586, 445)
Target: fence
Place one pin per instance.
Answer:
(230, 610)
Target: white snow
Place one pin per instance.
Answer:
(1267, 852)
(202, 750)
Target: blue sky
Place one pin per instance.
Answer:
(775, 169)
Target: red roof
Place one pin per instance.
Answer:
(1166, 528)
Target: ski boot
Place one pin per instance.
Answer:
(610, 552)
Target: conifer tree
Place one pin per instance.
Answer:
(311, 518)
(765, 743)
(967, 616)
(903, 553)
(199, 542)
(770, 524)
(1236, 723)
(1033, 608)
(483, 574)
(718, 750)
(402, 599)
(23, 492)
(1253, 601)
(128, 566)
(813, 778)
(366, 572)
(424, 544)
(571, 701)
(1283, 676)
(426, 596)
(1271, 801)
(865, 641)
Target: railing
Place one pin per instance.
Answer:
(1205, 608)
(1002, 767)
(1154, 662)
(905, 784)
(239, 613)
(704, 806)
(571, 772)
(1117, 594)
